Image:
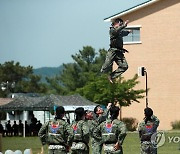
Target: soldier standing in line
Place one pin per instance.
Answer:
(112, 133)
(116, 50)
(57, 134)
(101, 115)
(147, 128)
(92, 124)
(81, 133)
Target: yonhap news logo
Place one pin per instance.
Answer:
(159, 138)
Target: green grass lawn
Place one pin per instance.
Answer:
(131, 144)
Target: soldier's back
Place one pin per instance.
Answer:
(81, 137)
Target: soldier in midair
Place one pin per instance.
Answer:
(116, 50)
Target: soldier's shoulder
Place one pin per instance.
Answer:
(108, 120)
(63, 122)
(102, 123)
(48, 122)
(118, 122)
(155, 118)
(89, 122)
(94, 122)
(83, 122)
(142, 123)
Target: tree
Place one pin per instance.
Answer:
(23, 78)
(32, 85)
(122, 91)
(76, 75)
(55, 86)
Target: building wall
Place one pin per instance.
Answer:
(159, 53)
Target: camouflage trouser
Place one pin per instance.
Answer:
(109, 149)
(118, 57)
(96, 147)
(79, 148)
(56, 149)
(148, 148)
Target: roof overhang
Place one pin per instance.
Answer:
(130, 10)
(4, 101)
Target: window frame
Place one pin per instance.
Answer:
(134, 42)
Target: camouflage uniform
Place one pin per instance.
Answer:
(146, 130)
(110, 132)
(58, 135)
(116, 52)
(81, 137)
(97, 143)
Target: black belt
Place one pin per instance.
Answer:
(145, 140)
(110, 142)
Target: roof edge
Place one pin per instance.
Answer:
(134, 8)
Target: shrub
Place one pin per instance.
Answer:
(175, 124)
(131, 123)
(2, 115)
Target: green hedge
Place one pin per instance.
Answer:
(175, 124)
(131, 123)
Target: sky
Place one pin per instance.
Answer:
(45, 33)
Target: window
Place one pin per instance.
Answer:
(134, 36)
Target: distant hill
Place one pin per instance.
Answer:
(48, 72)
